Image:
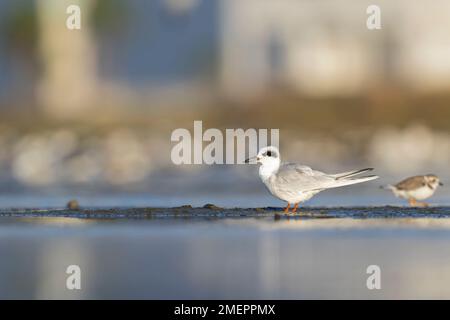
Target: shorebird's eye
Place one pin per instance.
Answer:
(269, 154)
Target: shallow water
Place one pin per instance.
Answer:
(189, 253)
(241, 195)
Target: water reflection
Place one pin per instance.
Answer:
(228, 258)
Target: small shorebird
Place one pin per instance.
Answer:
(416, 188)
(295, 183)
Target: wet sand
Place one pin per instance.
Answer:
(212, 211)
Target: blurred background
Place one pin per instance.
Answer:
(88, 113)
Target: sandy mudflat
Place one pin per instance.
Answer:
(211, 211)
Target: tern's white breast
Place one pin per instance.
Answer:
(286, 193)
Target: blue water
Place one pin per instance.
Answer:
(342, 197)
(219, 256)
(245, 258)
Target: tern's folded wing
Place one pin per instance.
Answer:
(301, 178)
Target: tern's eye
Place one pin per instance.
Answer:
(269, 154)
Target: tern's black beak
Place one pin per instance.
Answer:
(250, 159)
(441, 184)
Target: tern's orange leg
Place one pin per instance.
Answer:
(294, 210)
(286, 210)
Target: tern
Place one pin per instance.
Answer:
(296, 183)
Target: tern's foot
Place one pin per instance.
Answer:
(287, 215)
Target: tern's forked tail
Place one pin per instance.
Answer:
(339, 182)
(349, 174)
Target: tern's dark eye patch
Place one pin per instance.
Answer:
(269, 153)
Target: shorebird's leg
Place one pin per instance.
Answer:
(294, 210)
(422, 204)
(415, 203)
(286, 210)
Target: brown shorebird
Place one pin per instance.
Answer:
(416, 188)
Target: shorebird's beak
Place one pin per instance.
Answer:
(440, 183)
(251, 160)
